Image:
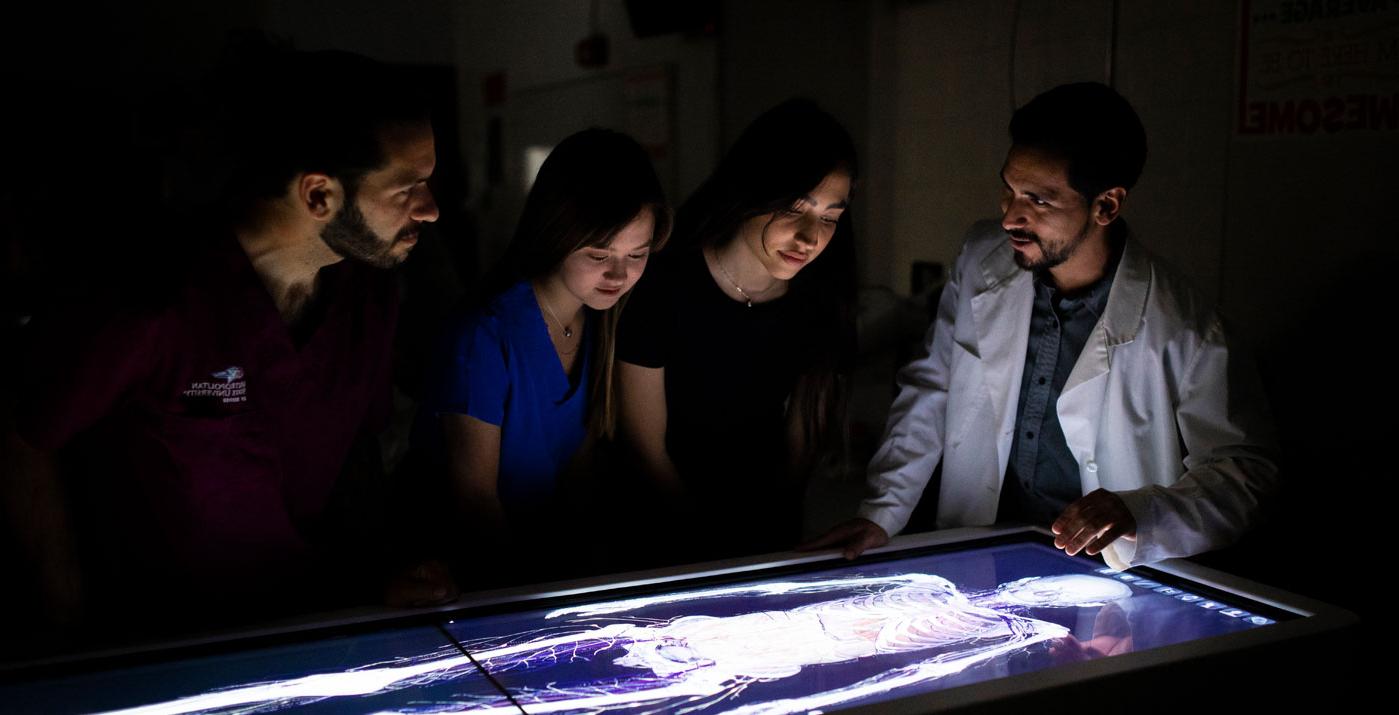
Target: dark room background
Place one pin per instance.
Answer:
(1272, 135)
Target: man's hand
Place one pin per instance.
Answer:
(1112, 634)
(1091, 523)
(425, 584)
(1071, 650)
(852, 537)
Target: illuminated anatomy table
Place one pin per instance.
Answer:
(937, 621)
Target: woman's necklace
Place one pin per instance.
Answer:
(734, 283)
(567, 331)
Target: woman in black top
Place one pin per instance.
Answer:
(733, 349)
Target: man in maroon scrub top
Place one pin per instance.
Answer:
(210, 426)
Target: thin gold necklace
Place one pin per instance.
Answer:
(733, 282)
(567, 331)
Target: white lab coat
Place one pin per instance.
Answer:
(1153, 409)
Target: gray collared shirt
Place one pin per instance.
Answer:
(1042, 476)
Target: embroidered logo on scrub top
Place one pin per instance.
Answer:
(229, 375)
(228, 386)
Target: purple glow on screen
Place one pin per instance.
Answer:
(849, 635)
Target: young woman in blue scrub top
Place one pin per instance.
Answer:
(734, 349)
(529, 376)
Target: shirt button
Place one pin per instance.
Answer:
(1029, 435)
(1091, 465)
(1041, 381)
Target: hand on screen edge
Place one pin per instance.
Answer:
(1092, 522)
(853, 537)
(428, 583)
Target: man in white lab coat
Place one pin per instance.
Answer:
(1072, 380)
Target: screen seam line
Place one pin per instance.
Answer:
(480, 667)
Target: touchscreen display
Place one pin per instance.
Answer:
(820, 639)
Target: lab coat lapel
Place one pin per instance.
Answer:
(1080, 402)
(1001, 308)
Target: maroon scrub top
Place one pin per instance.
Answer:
(212, 437)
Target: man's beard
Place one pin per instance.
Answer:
(1050, 256)
(349, 236)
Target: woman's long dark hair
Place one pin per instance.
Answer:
(781, 157)
(590, 187)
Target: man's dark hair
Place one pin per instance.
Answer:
(1092, 127)
(285, 112)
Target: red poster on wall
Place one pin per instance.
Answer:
(1318, 67)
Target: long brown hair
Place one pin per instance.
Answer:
(784, 154)
(590, 187)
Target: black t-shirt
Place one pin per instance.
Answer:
(729, 372)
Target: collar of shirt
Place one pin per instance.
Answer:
(1094, 298)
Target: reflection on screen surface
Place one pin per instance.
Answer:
(823, 639)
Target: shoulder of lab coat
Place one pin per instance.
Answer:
(915, 433)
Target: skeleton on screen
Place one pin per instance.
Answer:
(694, 663)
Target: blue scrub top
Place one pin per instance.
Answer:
(502, 369)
